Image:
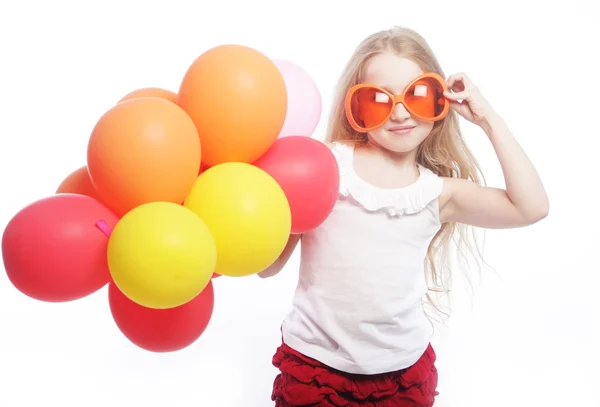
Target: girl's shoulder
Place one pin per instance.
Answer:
(342, 150)
(340, 144)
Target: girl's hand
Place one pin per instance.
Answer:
(467, 101)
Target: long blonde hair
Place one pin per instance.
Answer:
(444, 151)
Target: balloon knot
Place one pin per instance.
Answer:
(103, 226)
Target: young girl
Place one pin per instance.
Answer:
(357, 334)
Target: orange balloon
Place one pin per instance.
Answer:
(237, 98)
(150, 92)
(143, 150)
(78, 182)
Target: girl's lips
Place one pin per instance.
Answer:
(401, 130)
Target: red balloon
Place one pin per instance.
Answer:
(53, 250)
(162, 330)
(203, 167)
(215, 275)
(308, 173)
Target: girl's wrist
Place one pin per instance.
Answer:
(492, 123)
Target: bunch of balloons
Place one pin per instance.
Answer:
(181, 187)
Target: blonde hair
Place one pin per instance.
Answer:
(444, 151)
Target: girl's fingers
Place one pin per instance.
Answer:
(456, 96)
(454, 79)
(459, 82)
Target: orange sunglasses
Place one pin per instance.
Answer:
(370, 106)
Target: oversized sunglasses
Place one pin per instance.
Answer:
(370, 106)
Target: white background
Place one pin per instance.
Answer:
(530, 335)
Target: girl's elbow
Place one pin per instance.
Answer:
(545, 212)
(538, 213)
(271, 271)
(283, 258)
(544, 209)
(267, 273)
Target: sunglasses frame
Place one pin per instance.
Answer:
(396, 99)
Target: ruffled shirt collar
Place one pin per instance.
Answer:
(395, 201)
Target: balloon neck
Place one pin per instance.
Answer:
(103, 226)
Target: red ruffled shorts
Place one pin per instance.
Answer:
(308, 383)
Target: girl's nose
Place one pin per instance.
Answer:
(400, 113)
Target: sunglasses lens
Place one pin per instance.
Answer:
(370, 107)
(426, 98)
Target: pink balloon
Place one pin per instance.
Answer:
(304, 100)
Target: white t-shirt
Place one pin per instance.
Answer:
(358, 306)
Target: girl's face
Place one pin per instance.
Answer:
(402, 133)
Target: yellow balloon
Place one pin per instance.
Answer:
(161, 255)
(248, 214)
